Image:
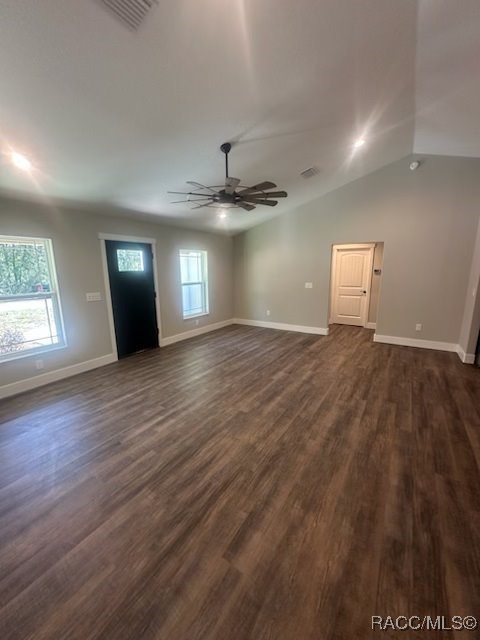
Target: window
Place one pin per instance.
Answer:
(130, 260)
(30, 316)
(193, 272)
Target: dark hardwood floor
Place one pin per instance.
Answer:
(248, 483)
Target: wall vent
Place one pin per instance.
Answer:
(131, 12)
(310, 172)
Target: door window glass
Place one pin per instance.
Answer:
(130, 260)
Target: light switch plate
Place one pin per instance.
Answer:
(94, 296)
(308, 285)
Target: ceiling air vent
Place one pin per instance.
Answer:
(131, 12)
(310, 172)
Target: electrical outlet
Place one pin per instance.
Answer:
(39, 365)
(308, 285)
(196, 323)
(418, 326)
(268, 312)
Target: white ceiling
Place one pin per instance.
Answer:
(115, 119)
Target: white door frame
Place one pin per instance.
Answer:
(333, 275)
(108, 293)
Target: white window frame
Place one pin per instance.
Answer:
(203, 282)
(53, 295)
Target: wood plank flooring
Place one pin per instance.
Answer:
(246, 484)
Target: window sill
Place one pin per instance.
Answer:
(31, 353)
(197, 315)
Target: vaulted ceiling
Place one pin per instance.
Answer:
(114, 119)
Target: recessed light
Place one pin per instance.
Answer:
(20, 161)
(359, 143)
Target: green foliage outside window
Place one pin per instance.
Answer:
(23, 268)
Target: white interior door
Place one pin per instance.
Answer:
(351, 279)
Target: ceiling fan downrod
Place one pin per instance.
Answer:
(225, 147)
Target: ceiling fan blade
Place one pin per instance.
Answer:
(231, 184)
(191, 193)
(261, 186)
(271, 194)
(201, 186)
(255, 197)
(207, 203)
(269, 203)
(246, 206)
(189, 200)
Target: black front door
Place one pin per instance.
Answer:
(130, 270)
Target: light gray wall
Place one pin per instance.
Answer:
(375, 282)
(427, 220)
(79, 268)
(471, 316)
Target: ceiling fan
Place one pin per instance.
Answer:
(227, 196)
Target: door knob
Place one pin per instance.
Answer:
(364, 291)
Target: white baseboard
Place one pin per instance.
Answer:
(185, 335)
(415, 342)
(371, 325)
(466, 358)
(300, 328)
(52, 376)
